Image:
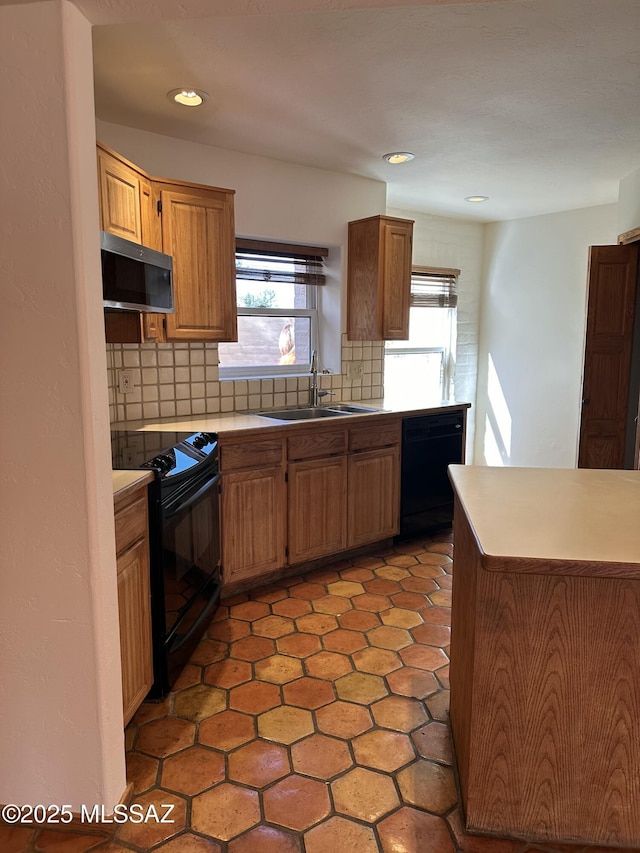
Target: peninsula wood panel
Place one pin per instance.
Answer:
(462, 648)
(545, 701)
(317, 508)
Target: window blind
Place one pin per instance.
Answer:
(280, 263)
(434, 288)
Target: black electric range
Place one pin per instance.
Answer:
(184, 539)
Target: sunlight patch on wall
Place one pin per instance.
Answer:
(497, 442)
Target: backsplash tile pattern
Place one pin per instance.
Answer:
(181, 379)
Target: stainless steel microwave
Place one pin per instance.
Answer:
(134, 277)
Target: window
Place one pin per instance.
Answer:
(425, 363)
(277, 301)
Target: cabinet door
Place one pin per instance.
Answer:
(317, 508)
(152, 324)
(396, 265)
(373, 495)
(119, 192)
(253, 523)
(613, 272)
(198, 231)
(135, 626)
(379, 278)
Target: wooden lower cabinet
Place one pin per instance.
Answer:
(304, 494)
(373, 496)
(253, 523)
(317, 508)
(134, 598)
(135, 627)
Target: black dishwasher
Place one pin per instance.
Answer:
(430, 443)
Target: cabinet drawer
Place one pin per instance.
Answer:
(316, 443)
(131, 523)
(253, 454)
(368, 437)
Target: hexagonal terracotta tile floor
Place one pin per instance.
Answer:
(313, 717)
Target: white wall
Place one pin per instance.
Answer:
(458, 244)
(274, 200)
(532, 336)
(629, 202)
(61, 738)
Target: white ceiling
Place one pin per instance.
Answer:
(534, 103)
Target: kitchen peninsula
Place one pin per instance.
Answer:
(545, 653)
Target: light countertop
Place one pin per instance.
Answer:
(130, 479)
(242, 422)
(526, 517)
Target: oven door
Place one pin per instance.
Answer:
(190, 526)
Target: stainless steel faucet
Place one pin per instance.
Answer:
(313, 389)
(314, 392)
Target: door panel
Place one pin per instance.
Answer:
(253, 523)
(608, 353)
(197, 230)
(317, 508)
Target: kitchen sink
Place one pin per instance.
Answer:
(348, 409)
(311, 412)
(306, 414)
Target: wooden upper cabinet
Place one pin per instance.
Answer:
(192, 223)
(198, 232)
(119, 197)
(128, 209)
(379, 278)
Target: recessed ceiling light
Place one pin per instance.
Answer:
(398, 157)
(188, 97)
(477, 198)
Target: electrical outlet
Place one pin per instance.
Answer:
(125, 381)
(355, 369)
(127, 455)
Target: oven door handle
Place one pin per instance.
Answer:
(206, 612)
(178, 505)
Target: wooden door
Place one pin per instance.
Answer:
(198, 232)
(373, 496)
(613, 274)
(253, 523)
(135, 626)
(119, 197)
(317, 508)
(397, 242)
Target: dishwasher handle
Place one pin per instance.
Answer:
(430, 427)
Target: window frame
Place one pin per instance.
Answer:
(311, 312)
(447, 361)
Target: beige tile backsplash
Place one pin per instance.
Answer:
(173, 380)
